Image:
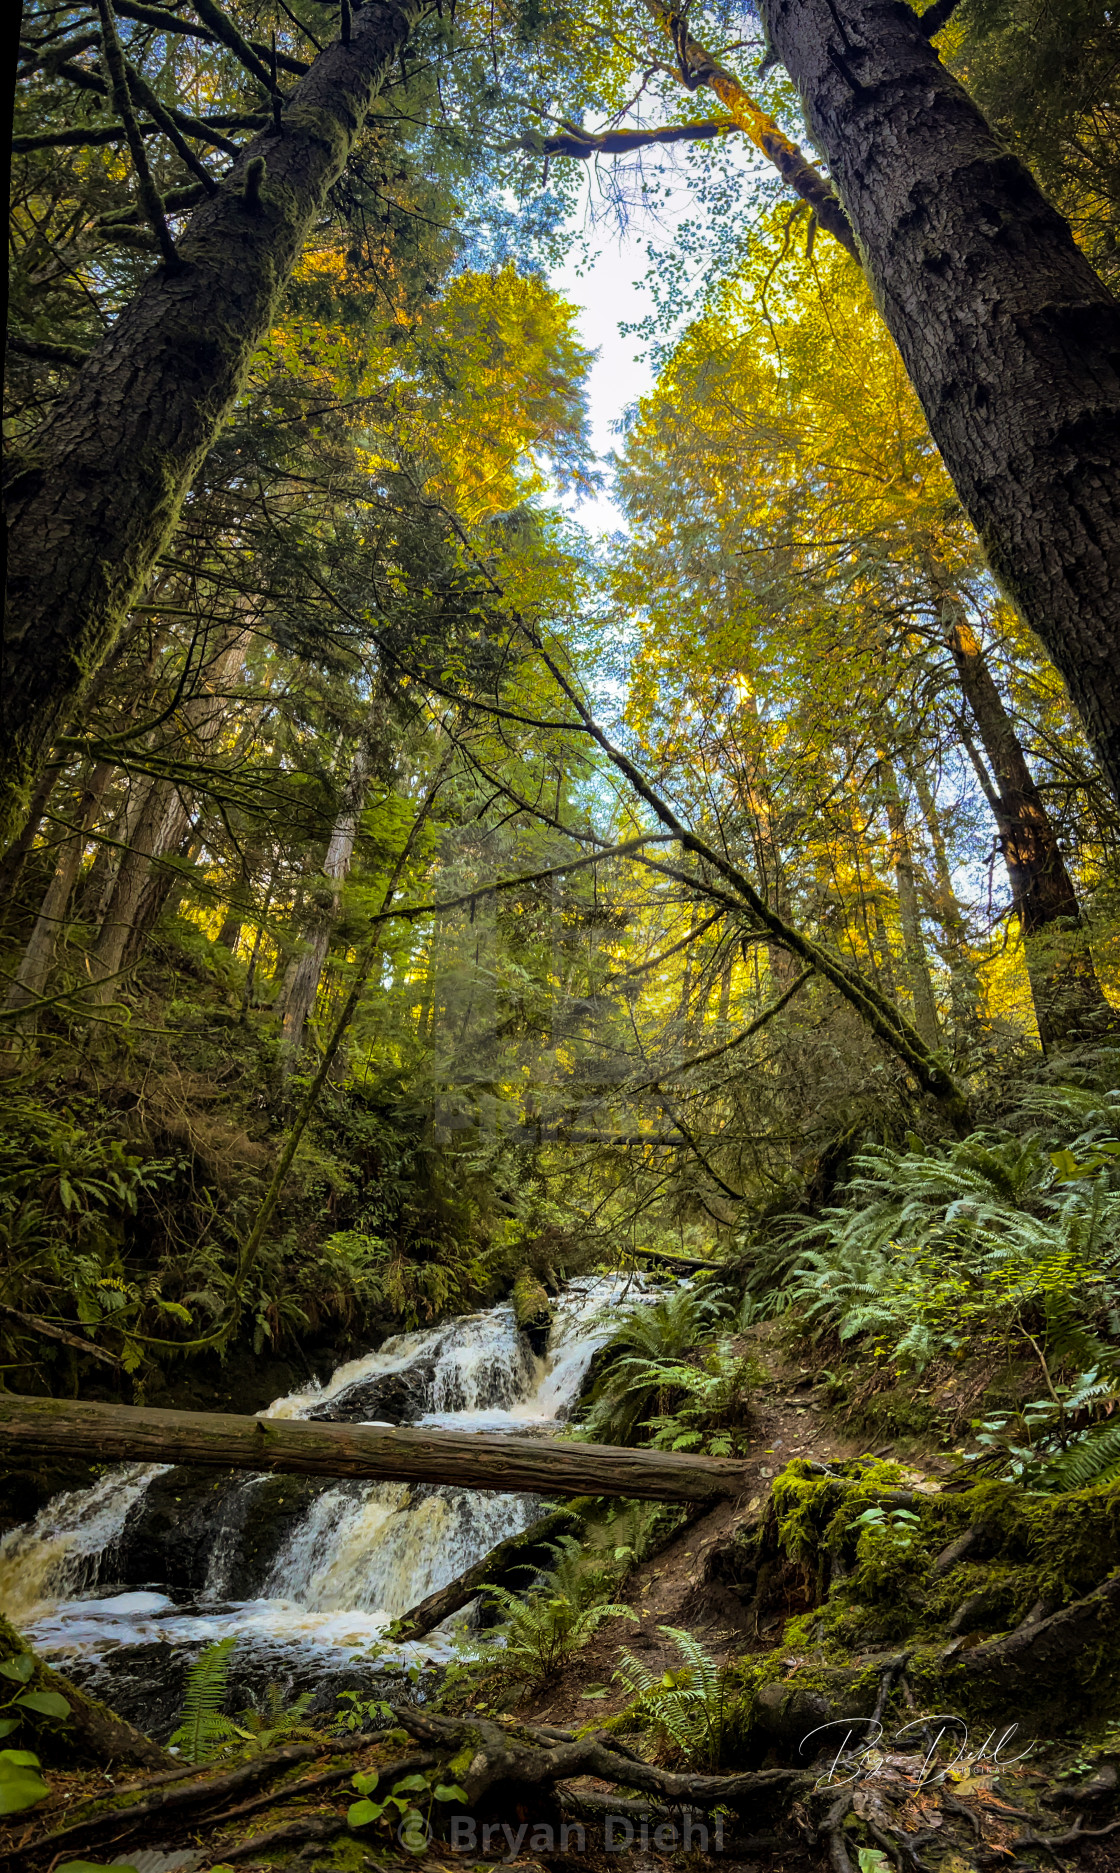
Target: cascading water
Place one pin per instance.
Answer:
(139, 1571)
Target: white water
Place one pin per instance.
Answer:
(362, 1553)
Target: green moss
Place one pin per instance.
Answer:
(532, 1309)
(866, 1551)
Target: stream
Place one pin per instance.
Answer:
(122, 1584)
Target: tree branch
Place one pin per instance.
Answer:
(698, 67)
(149, 194)
(586, 143)
(713, 1053)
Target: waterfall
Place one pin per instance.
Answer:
(152, 1557)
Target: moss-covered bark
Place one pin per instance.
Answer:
(92, 1732)
(532, 1310)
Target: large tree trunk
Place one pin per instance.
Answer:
(472, 1460)
(1068, 1000)
(97, 494)
(1010, 339)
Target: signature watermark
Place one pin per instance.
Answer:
(847, 1751)
(864, 1750)
(688, 1835)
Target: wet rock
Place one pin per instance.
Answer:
(196, 1533)
(146, 1684)
(169, 1534)
(385, 1397)
(532, 1311)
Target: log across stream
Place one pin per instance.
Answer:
(407, 1467)
(50, 1427)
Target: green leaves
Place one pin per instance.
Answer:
(21, 1785)
(95, 1866)
(19, 1670)
(398, 1803)
(44, 1704)
(361, 1813)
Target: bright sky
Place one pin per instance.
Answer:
(611, 292)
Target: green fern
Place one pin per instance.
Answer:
(1091, 1461)
(711, 1408)
(646, 1339)
(693, 1708)
(542, 1628)
(272, 1720)
(993, 1237)
(203, 1730)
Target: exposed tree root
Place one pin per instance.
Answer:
(501, 1761)
(118, 1823)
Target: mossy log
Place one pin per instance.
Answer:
(1044, 1652)
(517, 1556)
(91, 1732)
(679, 1264)
(163, 1805)
(470, 1460)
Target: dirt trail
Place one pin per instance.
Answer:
(681, 1586)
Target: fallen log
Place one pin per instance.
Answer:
(520, 1554)
(471, 1460)
(684, 1264)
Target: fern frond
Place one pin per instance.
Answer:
(201, 1724)
(1093, 1460)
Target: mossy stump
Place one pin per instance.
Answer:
(532, 1311)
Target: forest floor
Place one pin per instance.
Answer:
(984, 1815)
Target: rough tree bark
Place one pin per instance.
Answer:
(93, 501)
(1010, 339)
(1069, 1003)
(472, 1460)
